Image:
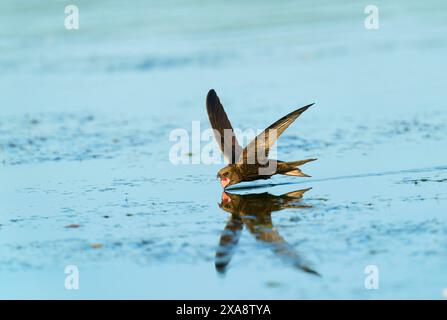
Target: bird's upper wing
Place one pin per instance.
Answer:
(258, 149)
(223, 131)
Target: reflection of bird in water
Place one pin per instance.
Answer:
(254, 211)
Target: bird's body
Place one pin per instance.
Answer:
(250, 163)
(261, 204)
(249, 172)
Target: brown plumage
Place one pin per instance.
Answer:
(254, 212)
(250, 163)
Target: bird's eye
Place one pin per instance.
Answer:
(225, 174)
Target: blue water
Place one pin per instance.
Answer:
(85, 117)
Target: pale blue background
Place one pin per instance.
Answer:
(85, 117)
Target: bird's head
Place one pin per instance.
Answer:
(228, 176)
(231, 203)
(226, 204)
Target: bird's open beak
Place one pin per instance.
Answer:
(225, 198)
(224, 182)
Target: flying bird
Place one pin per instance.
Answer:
(250, 163)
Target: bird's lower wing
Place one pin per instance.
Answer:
(228, 242)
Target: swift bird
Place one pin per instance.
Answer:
(254, 212)
(250, 163)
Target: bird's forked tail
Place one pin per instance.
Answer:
(291, 168)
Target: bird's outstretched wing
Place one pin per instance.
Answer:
(223, 131)
(257, 150)
(228, 243)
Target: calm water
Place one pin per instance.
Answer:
(85, 177)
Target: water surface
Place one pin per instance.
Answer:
(85, 176)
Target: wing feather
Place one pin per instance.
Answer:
(223, 131)
(258, 149)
